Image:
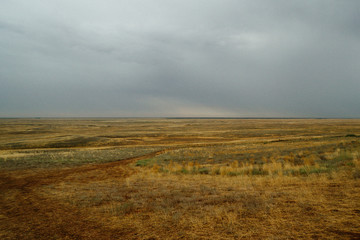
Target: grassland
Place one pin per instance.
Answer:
(179, 179)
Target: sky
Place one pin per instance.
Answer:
(180, 58)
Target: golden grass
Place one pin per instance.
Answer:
(172, 179)
(170, 206)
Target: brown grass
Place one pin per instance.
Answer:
(172, 179)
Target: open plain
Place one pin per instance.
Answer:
(179, 178)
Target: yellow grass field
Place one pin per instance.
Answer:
(179, 178)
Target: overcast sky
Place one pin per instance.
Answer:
(208, 58)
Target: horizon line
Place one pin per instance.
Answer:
(198, 117)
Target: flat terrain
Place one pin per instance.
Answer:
(179, 179)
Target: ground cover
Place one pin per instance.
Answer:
(179, 178)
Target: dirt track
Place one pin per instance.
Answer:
(26, 214)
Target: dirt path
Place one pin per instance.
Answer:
(26, 214)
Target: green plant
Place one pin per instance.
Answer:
(144, 162)
(204, 170)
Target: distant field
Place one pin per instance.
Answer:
(179, 178)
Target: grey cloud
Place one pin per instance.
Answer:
(168, 58)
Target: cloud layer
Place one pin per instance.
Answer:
(180, 58)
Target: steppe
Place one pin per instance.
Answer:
(149, 178)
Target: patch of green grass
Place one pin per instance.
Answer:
(122, 209)
(306, 171)
(145, 162)
(350, 164)
(55, 158)
(258, 171)
(204, 170)
(344, 159)
(184, 171)
(126, 208)
(234, 174)
(343, 156)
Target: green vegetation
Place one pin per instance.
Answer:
(145, 162)
(54, 158)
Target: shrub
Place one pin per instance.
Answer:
(258, 171)
(204, 170)
(185, 171)
(350, 135)
(303, 171)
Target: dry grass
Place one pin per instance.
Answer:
(172, 179)
(170, 206)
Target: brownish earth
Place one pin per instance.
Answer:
(114, 199)
(42, 218)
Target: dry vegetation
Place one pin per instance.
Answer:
(179, 178)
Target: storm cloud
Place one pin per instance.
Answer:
(207, 58)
